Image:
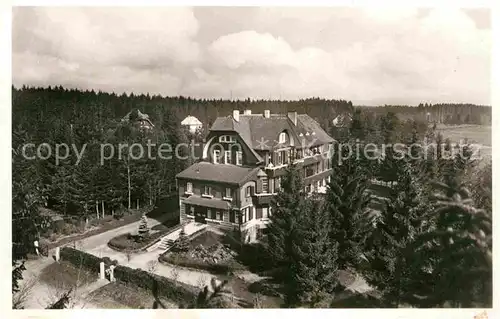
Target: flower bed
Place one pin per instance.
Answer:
(205, 253)
(184, 260)
(130, 243)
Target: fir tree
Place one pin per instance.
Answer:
(143, 231)
(314, 264)
(299, 246)
(391, 262)
(459, 248)
(27, 197)
(287, 207)
(182, 244)
(346, 206)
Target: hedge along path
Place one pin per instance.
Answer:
(179, 292)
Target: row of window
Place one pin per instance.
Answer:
(265, 186)
(247, 214)
(207, 190)
(227, 139)
(284, 157)
(317, 168)
(227, 157)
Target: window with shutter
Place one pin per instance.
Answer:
(265, 185)
(207, 190)
(265, 213)
(243, 216)
(239, 158)
(228, 192)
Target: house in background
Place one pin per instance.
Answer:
(243, 161)
(138, 118)
(192, 123)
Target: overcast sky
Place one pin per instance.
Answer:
(370, 57)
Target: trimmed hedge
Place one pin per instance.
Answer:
(158, 285)
(79, 258)
(185, 261)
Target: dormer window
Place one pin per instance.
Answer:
(282, 138)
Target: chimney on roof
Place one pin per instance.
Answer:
(236, 115)
(247, 112)
(293, 117)
(267, 114)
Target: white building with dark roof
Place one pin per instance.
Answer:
(192, 123)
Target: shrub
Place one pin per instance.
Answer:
(53, 237)
(68, 229)
(119, 214)
(159, 286)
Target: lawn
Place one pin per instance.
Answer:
(118, 295)
(63, 275)
(473, 133)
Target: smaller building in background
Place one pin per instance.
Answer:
(192, 123)
(138, 118)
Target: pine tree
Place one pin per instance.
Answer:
(182, 244)
(391, 262)
(346, 205)
(287, 206)
(299, 244)
(314, 264)
(143, 231)
(27, 197)
(357, 128)
(459, 248)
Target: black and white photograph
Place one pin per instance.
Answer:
(197, 157)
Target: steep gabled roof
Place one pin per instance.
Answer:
(255, 129)
(191, 120)
(140, 117)
(230, 174)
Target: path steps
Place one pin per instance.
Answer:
(166, 244)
